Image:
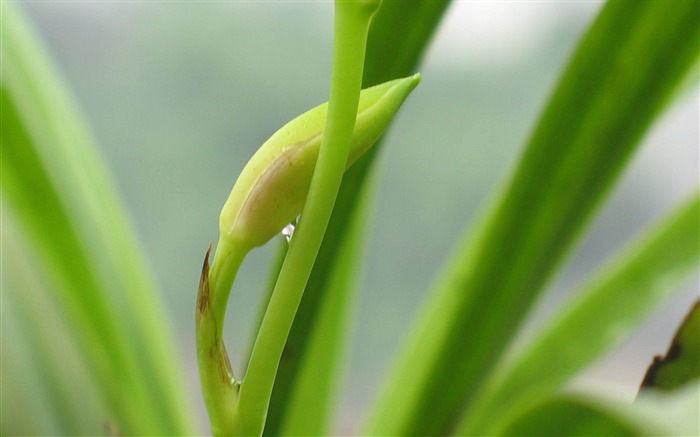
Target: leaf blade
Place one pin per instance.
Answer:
(607, 98)
(671, 414)
(568, 416)
(604, 311)
(70, 210)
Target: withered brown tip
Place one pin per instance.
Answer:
(203, 291)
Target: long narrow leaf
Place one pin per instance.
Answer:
(55, 182)
(318, 379)
(580, 414)
(22, 397)
(567, 416)
(622, 74)
(50, 364)
(399, 34)
(604, 312)
(29, 192)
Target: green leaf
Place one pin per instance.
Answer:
(601, 315)
(43, 369)
(568, 416)
(31, 195)
(581, 414)
(312, 390)
(398, 37)
(59, 190)
(681, 363)
(399, 33)
(620, 77)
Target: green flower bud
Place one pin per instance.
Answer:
(272, 188)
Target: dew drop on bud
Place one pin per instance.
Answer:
(288, 231)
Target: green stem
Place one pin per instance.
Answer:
(219, 387)
(227, 260)
(351, 24)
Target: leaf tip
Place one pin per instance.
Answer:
(203, 295)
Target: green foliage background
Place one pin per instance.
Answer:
(180, 95)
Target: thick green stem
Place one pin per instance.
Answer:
(351, 24)
(219, 388)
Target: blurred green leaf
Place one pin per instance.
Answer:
(620, 77)
(673, 414)
(21, 395)
(601, 316)
(55, 184)
(568, 416)
(398, 37)
(681, 363)
(320, 367)
(30, 194)
(399, 34)
(44, 369)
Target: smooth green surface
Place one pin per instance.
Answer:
(681, 364)
(350, 38)
(272, 188)
(586, 414)
(312, 401)
(620, 77)
(216, 375)
(567, 416)
(269, 193)
(399, 34)
(602, 314)
(60, 192)
(63, 392)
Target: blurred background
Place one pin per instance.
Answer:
(180, 94)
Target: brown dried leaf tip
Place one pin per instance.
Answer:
(225, 368)
(681, 364)
(203, 296)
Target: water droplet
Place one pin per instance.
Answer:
(288, 231)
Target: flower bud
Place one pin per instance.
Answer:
(272, 188)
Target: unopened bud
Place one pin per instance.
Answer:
(272, 188)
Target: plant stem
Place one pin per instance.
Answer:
(219, 387)
(351, 24)
(227, 260)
